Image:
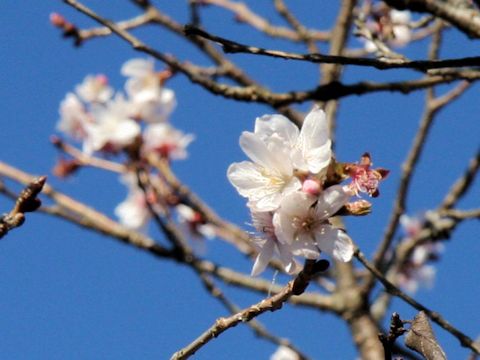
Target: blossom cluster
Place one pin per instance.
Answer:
(291, 192)
(136, 122)
(109, 122)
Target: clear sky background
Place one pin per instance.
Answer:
(67, 293)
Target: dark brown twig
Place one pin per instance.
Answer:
(230, 46)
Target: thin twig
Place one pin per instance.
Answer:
(435, 316)
(254, 324)
(230, 46)
(295, 287)
(462, 184)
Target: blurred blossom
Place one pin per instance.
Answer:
(195, 223)
(167, 141)
(151, 102)
(133, 212)
(113, 129)
(418, 270)
(284, 353)
(109, 123)
(94, 89)
(392, 28)
(73, 117)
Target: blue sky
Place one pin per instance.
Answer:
(70, 293)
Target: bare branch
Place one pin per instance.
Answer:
(273, 303)
(435, 316)
(230, 46)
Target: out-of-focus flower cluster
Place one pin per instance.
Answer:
(418, 269)
(134, 122)
(109, 122)
(293, 187)
(389, 26)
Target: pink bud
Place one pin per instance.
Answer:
(311, 187)
(102, 79)
(57, 20)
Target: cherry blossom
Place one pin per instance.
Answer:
(150, 100)
(282, 156)
(269, 245)
(302, 222)
(167, 141)
(365, 179)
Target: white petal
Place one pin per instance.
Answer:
(268, 125)
(258, 151)
(314, 132)
(125, 132)
(247, 178)
(335, 242)
(331, 200)
(137, 67)
(263, 258)
(306, 246)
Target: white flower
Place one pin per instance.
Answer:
(195, 222)
(166, 140)
(279, 150)
(302, 222)
(310, 147)
(113, 129)
(150, 101)
(284, 353)
(269, 245)
(94, 89)
(73, 117)
(133, 211)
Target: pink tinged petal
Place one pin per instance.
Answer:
(263, 258)
(334, 242)
(331, 200)
(268, 125)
